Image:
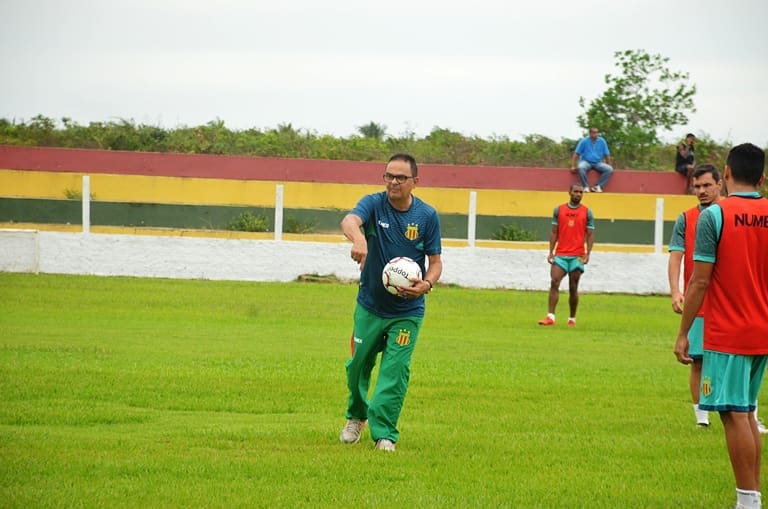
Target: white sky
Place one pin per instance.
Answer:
(482, 67)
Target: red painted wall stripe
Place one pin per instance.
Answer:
(315, 170)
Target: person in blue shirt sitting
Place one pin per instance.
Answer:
(592, 154)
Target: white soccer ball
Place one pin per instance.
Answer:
(398, 272)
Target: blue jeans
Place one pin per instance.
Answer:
(605, 171)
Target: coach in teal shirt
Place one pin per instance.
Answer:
(589, 155)
(383, 226)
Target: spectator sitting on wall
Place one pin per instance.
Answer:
(589, 154)
(685, 160)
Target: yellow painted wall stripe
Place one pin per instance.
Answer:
(308, 195)
(38, 184)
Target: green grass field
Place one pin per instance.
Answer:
(127, 392)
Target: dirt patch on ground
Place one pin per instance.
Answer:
(324, 278)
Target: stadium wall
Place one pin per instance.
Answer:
(264, 260)
(325, 171)
(208, 192)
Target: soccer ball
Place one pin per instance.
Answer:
(398, 271)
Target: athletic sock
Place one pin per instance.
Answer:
(748, 499)
(551, 316)
(702, 416)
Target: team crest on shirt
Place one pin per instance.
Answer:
(571, 222)
(706, 387)
(404, 337)
(412, 232)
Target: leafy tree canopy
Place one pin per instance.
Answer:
(373, 130)
(645, 97)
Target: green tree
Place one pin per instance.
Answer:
(373, 130)
(43, 131)
(644, 98)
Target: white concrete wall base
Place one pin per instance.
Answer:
(266, 260)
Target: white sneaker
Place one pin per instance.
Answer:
(350, 434)
(385, 445)
(585, 189)
(597, 189)
(702, 416)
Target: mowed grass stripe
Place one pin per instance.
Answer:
(128, 392)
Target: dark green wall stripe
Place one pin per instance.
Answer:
(318, 220)
(31, 210)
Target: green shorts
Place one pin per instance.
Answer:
(730, 382)
(696, 338)
(569, 263)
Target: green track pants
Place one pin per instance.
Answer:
(395, 339)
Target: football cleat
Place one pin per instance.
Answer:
(547, 321)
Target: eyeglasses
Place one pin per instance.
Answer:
(400, 179)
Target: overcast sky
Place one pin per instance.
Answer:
(482, 67)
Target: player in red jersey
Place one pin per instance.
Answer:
(572, 227)
(707, 185)
(730, 268)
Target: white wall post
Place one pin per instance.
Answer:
(658, 233)
(472, 219)
(86, 204)
(279, 212)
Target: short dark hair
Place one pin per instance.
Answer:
(747, 163)
(690, 135)
(703, 169)
(574, 185)
(408, 158)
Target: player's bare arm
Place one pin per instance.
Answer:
(553, 236)
(590, 242)
(694, 297)
(673, 274)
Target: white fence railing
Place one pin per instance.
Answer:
(658, 234)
